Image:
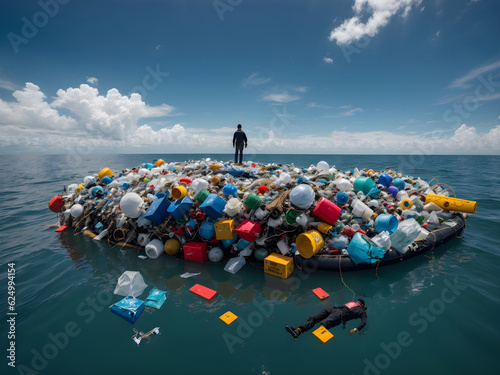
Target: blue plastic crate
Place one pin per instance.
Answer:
(213, 206)
(180, 207)
(157, 212)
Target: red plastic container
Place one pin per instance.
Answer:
(56, 204)
(327, 211)
(249, 230)
(195, 251)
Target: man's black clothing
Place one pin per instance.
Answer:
(332, 317)
(239, 142)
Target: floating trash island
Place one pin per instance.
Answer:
(312, 218)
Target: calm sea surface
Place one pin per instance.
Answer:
(433, 314)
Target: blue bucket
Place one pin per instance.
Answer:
(386, 223)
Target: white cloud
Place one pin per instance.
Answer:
(112, 116)
(92, 80)
(327, 60)
(316, 105)
(464, 81)
(379, 11)
(352, 112)
(4, 84)
(254, 80)
(280, 97)
(300, 89)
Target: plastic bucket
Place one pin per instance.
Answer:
(202, 195)
(364, 184)
(179, 192)
(387, 223)
(252, 201)
(159, 162)
(309, 243)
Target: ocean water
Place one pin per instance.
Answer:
(433, 314)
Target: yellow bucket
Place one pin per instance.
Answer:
(160, 162)
(309, 243)
(105, 172)
(179, 192)
(452, 204)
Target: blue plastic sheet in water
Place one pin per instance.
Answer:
(156, 298)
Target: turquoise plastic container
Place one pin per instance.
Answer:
(207, 229)
(363, 250)
(364, 184)
(399, 183)
(386, 223)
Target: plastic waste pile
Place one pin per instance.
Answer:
(219, 211)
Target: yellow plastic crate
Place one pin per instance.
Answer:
(323, 334)
(278, 265)
(225, 230)
(228, 317)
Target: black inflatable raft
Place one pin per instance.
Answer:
(448, 230)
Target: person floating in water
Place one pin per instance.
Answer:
(239, 140)
(332, 317)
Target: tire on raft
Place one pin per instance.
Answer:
(448, 230)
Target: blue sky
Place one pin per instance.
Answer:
(346, 76)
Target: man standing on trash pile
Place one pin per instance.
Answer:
(332, 317)
(239, 140)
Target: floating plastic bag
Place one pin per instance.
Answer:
(383, 240)
(156, 298)
(234, 264)
(130, 283)
(408, 231)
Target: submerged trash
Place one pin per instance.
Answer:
(203, 210)
(130, 283)
(187, 275)
(138, 336)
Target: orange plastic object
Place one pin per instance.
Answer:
(60, 229)
(56, 204)
(203, 291)
(320, 293)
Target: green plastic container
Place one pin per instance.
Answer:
(252, 201)
(202, 195)
(261, 254)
